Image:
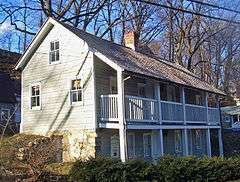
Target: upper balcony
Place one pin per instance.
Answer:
(140, 110)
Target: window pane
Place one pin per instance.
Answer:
(76, 84)
(38, 101)
(52, 46)
(80, 95)
(56, 45)
(74, 96)
(33, 102)
(57, 55)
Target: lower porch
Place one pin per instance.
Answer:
(150, 144)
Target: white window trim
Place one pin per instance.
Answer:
(134, 145)
(30, 97)
(144, 154)
(55, 62)
(79, 103)
(8, 110)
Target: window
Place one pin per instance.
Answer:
(147, 145)
(113, 85)
(131, 145)
(194, 97)
(5, 114)
(178, 142)
(170, 93)
(35, 96)
(54, 52)
(141, 88)
(76, 91)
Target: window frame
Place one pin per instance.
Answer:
(144, 146)
(1, 116)
(40, 96)
(50, 51)
(78, 103)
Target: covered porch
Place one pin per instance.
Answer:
(152, 144)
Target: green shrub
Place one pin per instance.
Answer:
(166, 169)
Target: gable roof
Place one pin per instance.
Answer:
(139, 63)
(7, 91)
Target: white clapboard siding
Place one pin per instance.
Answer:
(57, 112)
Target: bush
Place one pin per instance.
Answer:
(168, 168)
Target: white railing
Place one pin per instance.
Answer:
(213, 115)
(172, 111)
(140, 109)
(109, 108)
(196, 114)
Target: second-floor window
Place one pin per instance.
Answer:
(76, 91)
(35, 96)
(54, 52)
(5, 114)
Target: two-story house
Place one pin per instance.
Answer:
(112, 100)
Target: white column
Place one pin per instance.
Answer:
(185, 123)
(186, 142)
(158, 97)
(184, 107)
(220, 142)
(161, 142)
(209, 150)
(206, 105)
(121, 117)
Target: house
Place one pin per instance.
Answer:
(10, 113)
(111, 100)
(231, 116)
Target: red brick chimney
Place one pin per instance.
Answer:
(130, 40)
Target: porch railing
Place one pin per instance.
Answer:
(138, 109)
(213, 115)
(109, 108)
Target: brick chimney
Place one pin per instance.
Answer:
(130, 40)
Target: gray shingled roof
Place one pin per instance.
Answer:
(139, 63)
(232, 110)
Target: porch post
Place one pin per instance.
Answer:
(186, 142)
(161, 142)
(185, 123)
(158, 97)
(206, 105)
(121, 117)
(220, 142)
(209, 151)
